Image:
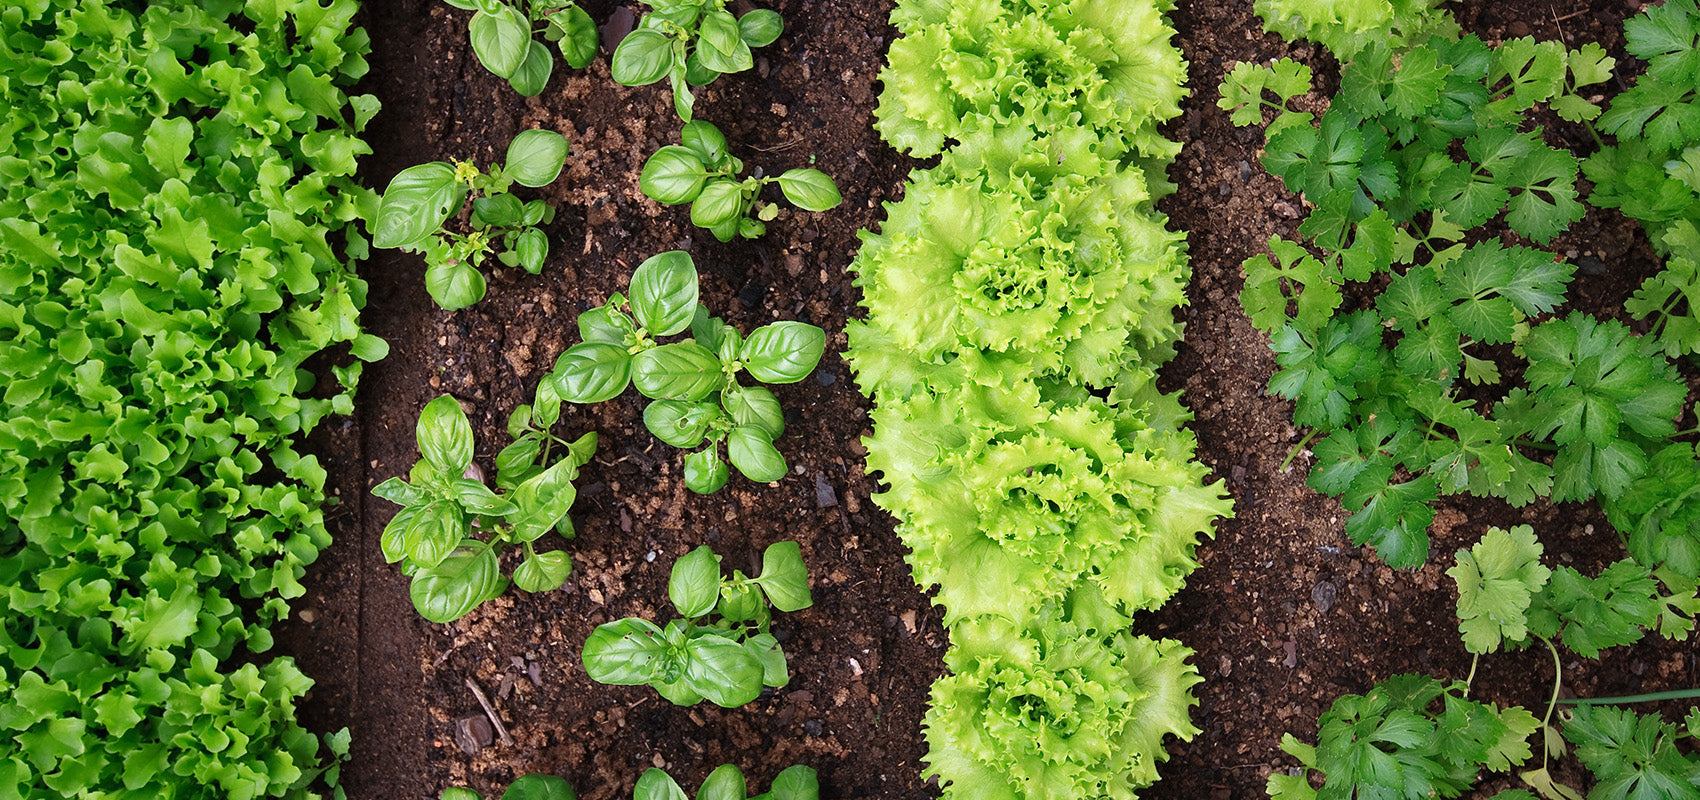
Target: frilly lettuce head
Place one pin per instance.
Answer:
(1347, 26)
(1068, 710)
(1105, 65)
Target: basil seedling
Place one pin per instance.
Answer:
(501, 34)
(693, 383)
(420, 200)
(727, 658)
(702, 172)
(690, 43)
(726, 782)
(526, 787)
(432, 535)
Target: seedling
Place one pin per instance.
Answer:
(726, 658)
(443, 505)
(693, 382)
(421, 199)
(502, 38)
(703, 173)
(527, 787)
(727, 783)
(691, 43)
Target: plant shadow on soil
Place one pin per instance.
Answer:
(1284, 613)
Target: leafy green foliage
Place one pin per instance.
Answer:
(1634, 756)
(1345, 27)
(1660, 512)
(501, 34)
(1244, 86)
(726, 659)
(691, 43)
(1409, 736)
(726, 782)
(175, 243)
(704, 173)
(1497, 579)
(445, 500)
(693, 383)
(525, 787)
(421, 199)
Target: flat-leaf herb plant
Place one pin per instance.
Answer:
(726, 782)
(702, 172)
(443, 504)
(693, 383)
(421, 199)
(726, 658)
(691, 43)
(525, 787)
(502, 36)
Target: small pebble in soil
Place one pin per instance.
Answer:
(1322, 595)
(825, 496)
(813, 727)
(473, 734)
(649, 557)
(825, 378)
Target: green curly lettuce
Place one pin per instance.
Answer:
(1069, 709)
(1347, 26)
(1104, 65)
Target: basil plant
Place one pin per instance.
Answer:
(525, 787)
(726, 782)
(444, 503)
(502, 38)
(702, 172)
(693, 384)
(420, 200)
(721, 649)
(690, 43)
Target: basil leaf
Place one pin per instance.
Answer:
(720, 44)
(683, 99)
(752, 228)
(393, 541)
(759, 28)
(740, 602)
(454, 285)
(783, 352)
(532, 77)
(539, 212)
(655, 784)
(417, 202)
(784, 578)
(545, 406)
(726, 782)
(543, 572)
(796, 782)
(535, 157)
(501, 211)
(751, 450)
(445, 436)
(532, 248)
(582, 449)
(705, 140)
(403, 493)
(664, 292)
(540, 787)
(624, 652)
(678, 371)
(722, 671)
(709, 331)
(696, 74)
(754, 406)
(464, 5)
(518, 461)
(543, 500)
(810, 189)
(592, 372)
(578, 36)
(774, 671)
(705, 472)
(643, 57)
(519, 420)
(728, 229)
(459, 792)
(477, 498)
(694, 585)
(454, 587)
(606, 324)
(434, 534)
(720, 202)
(678, 423)
(500, 39)
(673, 175)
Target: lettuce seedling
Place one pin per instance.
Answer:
(442, 505)
(693, 382)
(703, 173)
(726, 782)
(421, 199)
(526, 787)
(726, 658)
(501, 35)
(690, 43)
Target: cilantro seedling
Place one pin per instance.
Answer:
(725, 658)
(502, 38)
(693, 383)
(420, 200)
(691, 43)
(704, 173)
(443, 504)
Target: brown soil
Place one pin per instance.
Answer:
(1284, 614)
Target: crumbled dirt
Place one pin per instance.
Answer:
(1284, 614)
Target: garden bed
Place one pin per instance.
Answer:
(1284, 614)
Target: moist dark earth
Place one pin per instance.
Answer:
(1284, 615)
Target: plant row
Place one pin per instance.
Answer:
(1019, 299)
(178, 183)
(1458, 370)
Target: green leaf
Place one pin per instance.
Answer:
(705, 471)
(664, 292)
(543, 572)
(643, 57)
(694, 585)
(626, 652)
(539, 787)
(592, 372)
(720, 43)
(417, 202)
(783, 352)
(401, 492)
(796, 782)
(454, 285)
(657, 785)
(532, 77)
(543, 499)
(673, 175)
(1497, 579)
(705, 141)
(535, 157)
(606, 325)
(678, 371)
(810, 189)
(760, 27)
(454, 587)
(721, 201)
(459, 793)
(502, 211)
(722, 671)
(784, 578)
(500, 39)
(754, 406)
(445, 435)
(680, 424)
(751, 450)
(579, 38)
(726, 782)
(531, 248)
